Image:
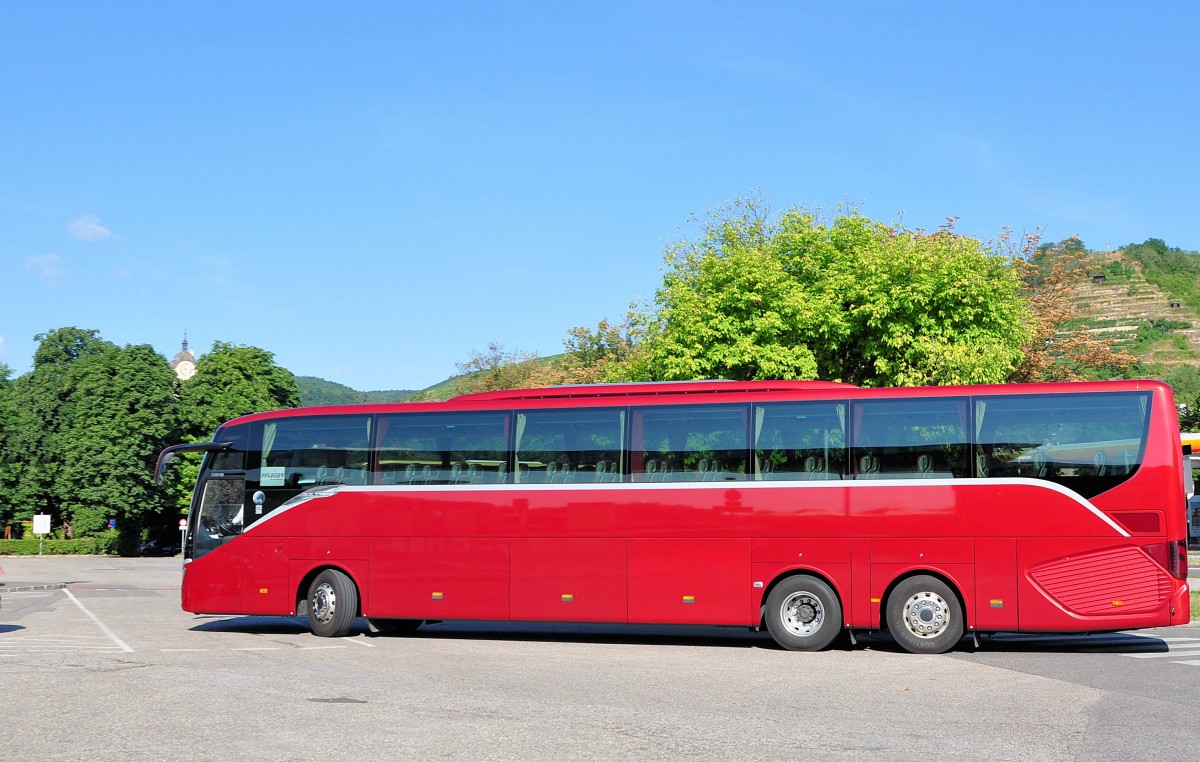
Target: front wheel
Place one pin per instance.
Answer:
(332, 604)
(803, 614)
(924, 616)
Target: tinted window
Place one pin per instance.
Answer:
(561, 446)
(300, 453)
(800, 440)
(443, 448)
(690, 443)
(910, 438)
(1088, 442)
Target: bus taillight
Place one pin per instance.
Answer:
(1171, 556)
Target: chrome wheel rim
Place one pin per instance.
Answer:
(926, 615)
(323, 603)
(802, 614)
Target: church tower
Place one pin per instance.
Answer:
(184, 363)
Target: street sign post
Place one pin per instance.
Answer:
(41, 527)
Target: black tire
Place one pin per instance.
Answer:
(803, 614)
(332, 604)
(395, 626)
(924, 615)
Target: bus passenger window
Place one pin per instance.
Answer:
(298, 453)
(800, 441)
(1088, 442)
(569, 446)
(673, 443)
(910, 438)
(419, 449)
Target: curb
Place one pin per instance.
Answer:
(29, 588)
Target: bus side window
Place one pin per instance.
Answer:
(1088, 442)
(911, 438)
(569, 446)
(691, 443)
(801, 441)
(419, 449)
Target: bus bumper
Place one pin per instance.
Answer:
(1181, 605)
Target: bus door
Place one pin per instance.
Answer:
(221, 512)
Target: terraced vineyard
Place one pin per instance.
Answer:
(1140, 319)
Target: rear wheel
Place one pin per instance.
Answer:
(924, 615)
(395, 626)
(803, 614)
(332, 604)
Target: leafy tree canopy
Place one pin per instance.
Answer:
(63, 346)
(120, 412)
(235, 380)
(851, 300)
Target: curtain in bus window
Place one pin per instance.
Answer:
(267, 444)
(1088, 442)
(417, 449)
(691, 443)
(800, 440)
(911, 438)
(569, 446)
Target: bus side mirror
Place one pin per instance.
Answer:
(160, 469)
(168, 455)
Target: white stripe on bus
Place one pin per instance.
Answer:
(319, 493)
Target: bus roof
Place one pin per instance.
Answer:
(645, 392)
(651, 388)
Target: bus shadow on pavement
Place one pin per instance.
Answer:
(253, 625)
(551, 632)
(1108, 642)
(607, 634)
(677, 635)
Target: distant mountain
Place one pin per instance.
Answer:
(318, 391)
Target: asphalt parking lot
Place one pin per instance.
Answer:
(98, 662)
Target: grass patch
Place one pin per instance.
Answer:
(1195, 606)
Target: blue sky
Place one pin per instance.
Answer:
(373, 193)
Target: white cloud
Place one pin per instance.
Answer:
(88, 228)
(48, 265)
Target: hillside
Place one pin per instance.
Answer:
(318, 391)
(1117, 300)
(1140, 318)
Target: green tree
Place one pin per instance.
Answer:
(606, 354)
(853, 300)
(121, 409)
(35, 444)
(231, 381)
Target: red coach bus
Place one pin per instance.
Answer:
(809, 508)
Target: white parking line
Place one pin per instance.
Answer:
(120, 643)
(358, 642)
(1164, 654)
(1191, 662)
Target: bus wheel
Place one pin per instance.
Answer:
(924, 616)
(332, 604)
(395, 626)
(803, 614)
